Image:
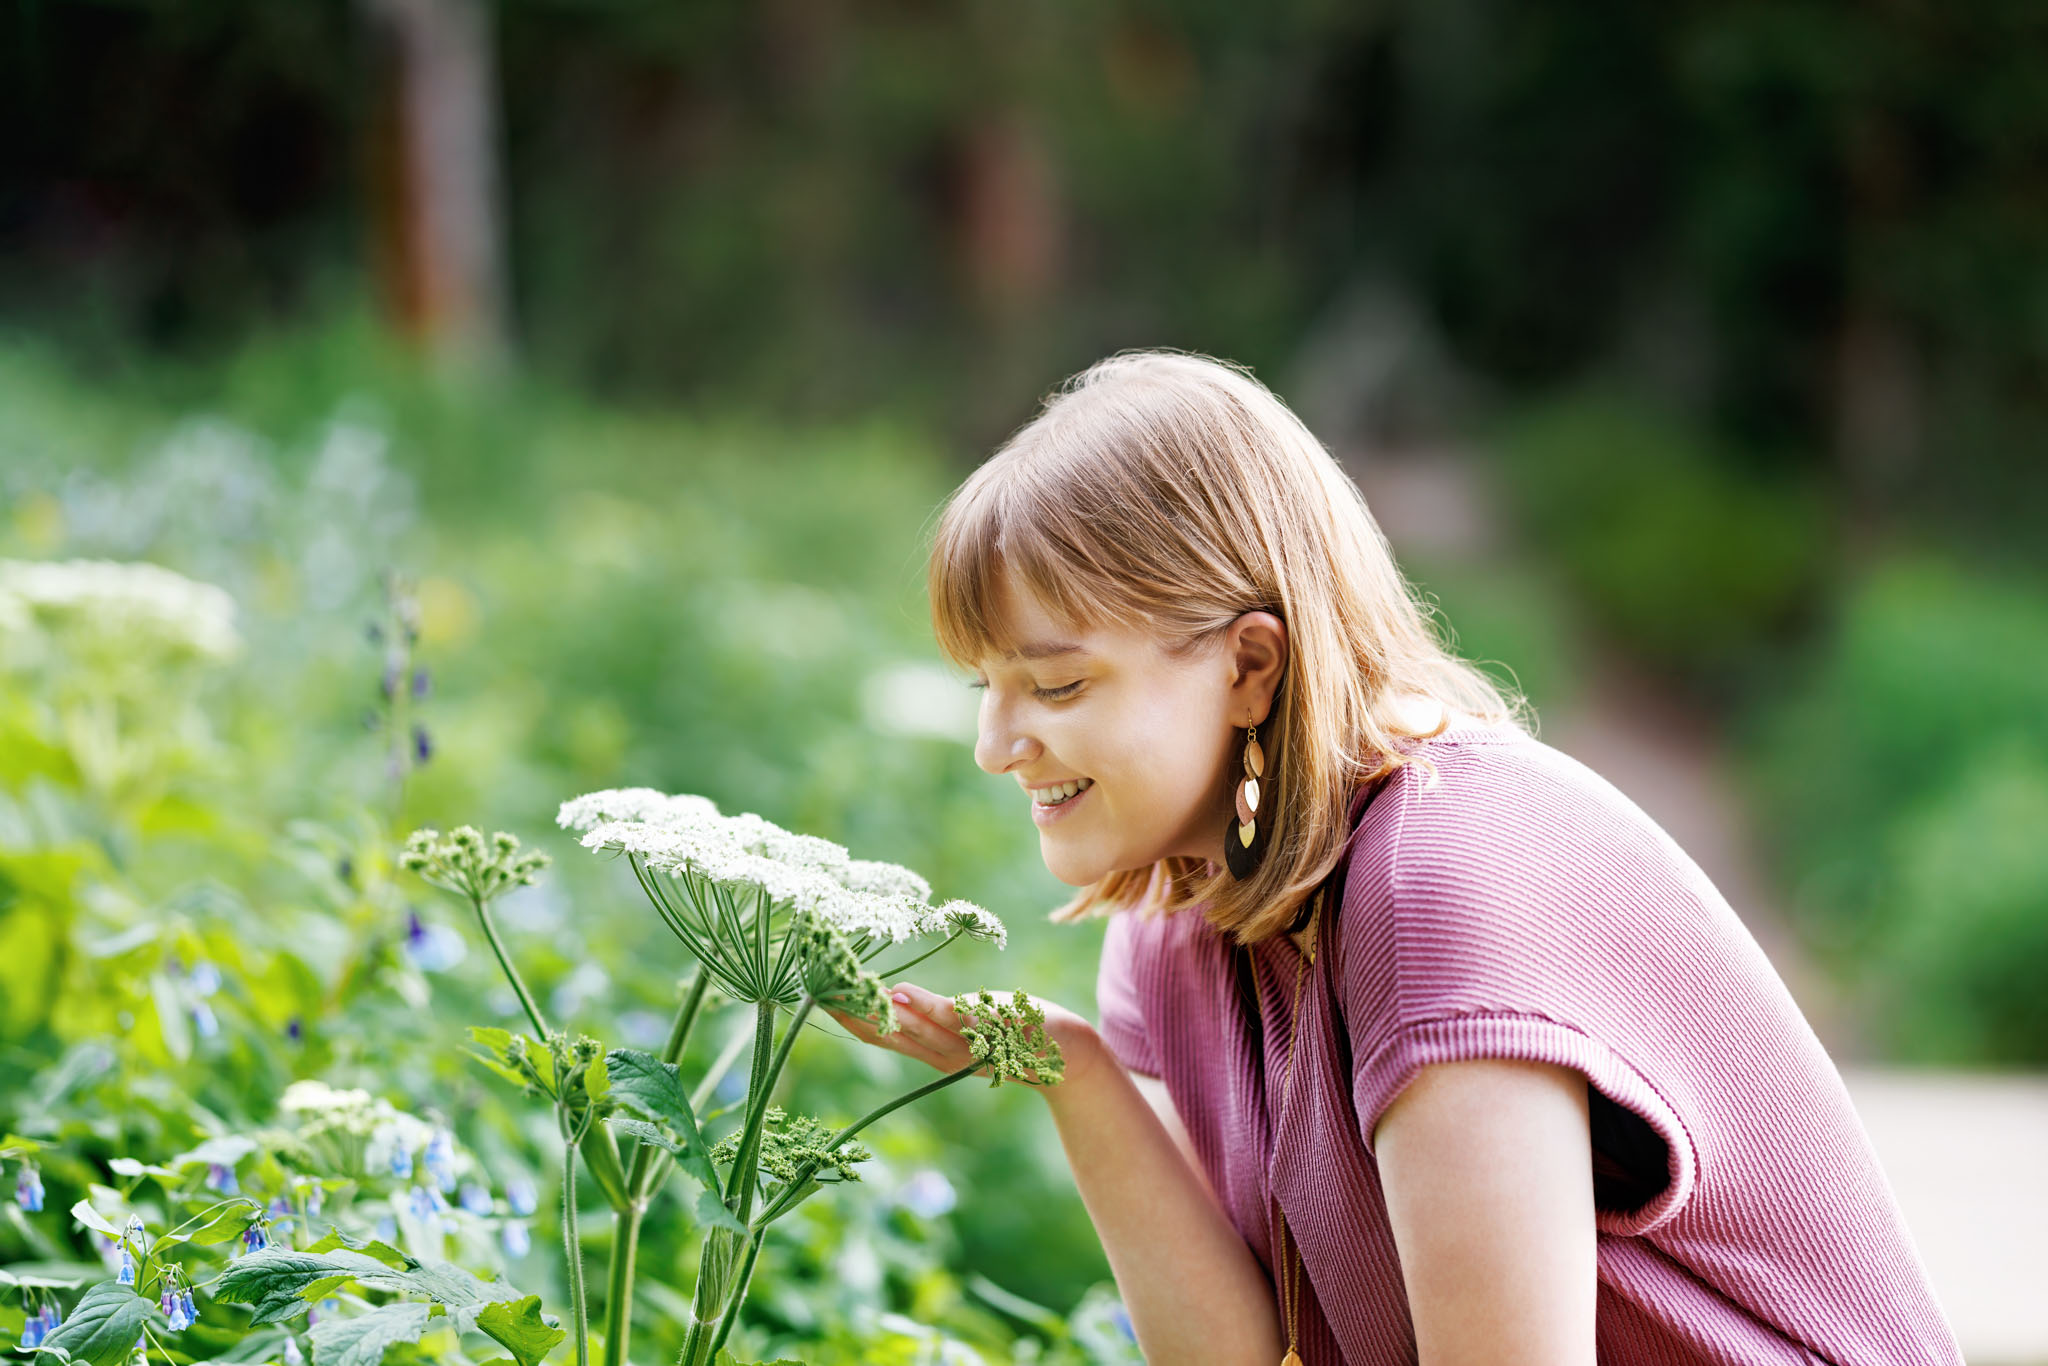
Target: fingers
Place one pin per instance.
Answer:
(897, 1040)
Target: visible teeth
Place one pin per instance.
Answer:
(1052, 796)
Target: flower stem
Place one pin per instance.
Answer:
(783, 1203)
(640, 1179)
(618, 1301)
(572, 1249)
(483, 914)
(739, 1291)
(902, 968)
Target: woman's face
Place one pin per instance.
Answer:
(1145, 742)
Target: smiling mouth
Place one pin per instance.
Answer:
(1059, 794)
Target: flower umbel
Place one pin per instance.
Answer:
(792, 1147)
(1009, 1037)
(464, 863)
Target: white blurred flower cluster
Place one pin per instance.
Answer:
(148, 609)
(686, 836)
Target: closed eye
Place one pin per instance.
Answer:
(1044, 694)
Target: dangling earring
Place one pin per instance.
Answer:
(1244, 843)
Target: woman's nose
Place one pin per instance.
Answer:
(999, 747)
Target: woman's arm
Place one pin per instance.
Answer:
(1196, 1294)
(1487, 1169)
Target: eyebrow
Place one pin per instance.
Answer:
(1044, 650)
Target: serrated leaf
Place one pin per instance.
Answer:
(369, 1247)
(275, 1281)
(103, 1328)
(85, 1214)
(646, 1132)
(363, 1339)
(648, 1086)
(517, 1325)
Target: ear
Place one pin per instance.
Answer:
(1255, 645)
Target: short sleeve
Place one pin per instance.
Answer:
(1521, 911)
(1380, 1077)
(1122, 1023)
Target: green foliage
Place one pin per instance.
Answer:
(103, 1327)
(520, 1326)
(1681, 557)
(1905, 778)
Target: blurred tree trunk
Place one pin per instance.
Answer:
(1878, 379)
(436, 168)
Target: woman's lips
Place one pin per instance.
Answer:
(1059, 811)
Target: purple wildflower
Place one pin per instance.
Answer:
(52, 1317)
(127, 1276)
(293, 1030)
(221, 1177)
(440, 1159)
(32, 1333)
(191, 1309)
(292, 1355)
(401, 1161)
(315, 1198)
(204, 1020)
(28, 1189)
(255, 1238)
(422, 746)
(517, 1241)
(387, 1229)
(204, 978)
(419, 683)
(475, 1197)
(388, 684)
(519, 1195)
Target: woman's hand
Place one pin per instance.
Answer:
(928, 1029)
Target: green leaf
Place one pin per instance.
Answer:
(648, 1086)
(14, 1145)
(362, 1340)
(597, 1081)
(519, 1327)
(85, 1214)
(220, 1224)
(371, 1247)
(726, 1358)
(104, 1326)
(226, 1150)
(275, 1282)
(646, 1133)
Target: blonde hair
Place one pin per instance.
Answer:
(1174, 489)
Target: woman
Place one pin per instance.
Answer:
(1418, 1038)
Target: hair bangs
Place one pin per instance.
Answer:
(994, 536)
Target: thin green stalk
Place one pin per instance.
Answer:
(618, 1291)
(618, 1305)
(784, 1202)
(579, 1307)
(483, 914)
(637, 1176)
(738, 1297)
(902, 968)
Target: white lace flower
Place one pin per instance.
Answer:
(870, 902)
(138, 603)
(633, 804)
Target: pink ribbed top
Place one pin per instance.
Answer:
(1524, 908)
